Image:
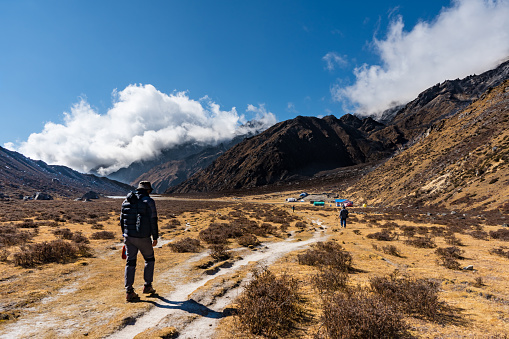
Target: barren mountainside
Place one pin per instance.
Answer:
(460, 162)
(304, 147)
(21, 176)
(293, 149)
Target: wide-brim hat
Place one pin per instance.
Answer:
(145, 185)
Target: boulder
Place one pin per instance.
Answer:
(42, 196)
(90, 195)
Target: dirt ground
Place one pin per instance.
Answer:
(196, 293)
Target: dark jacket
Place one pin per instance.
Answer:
(138, 217)
(343, 214)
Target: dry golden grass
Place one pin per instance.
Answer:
(86, 296)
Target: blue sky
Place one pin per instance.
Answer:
(74, 74)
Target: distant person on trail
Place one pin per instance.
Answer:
(138, 220)
(343, 215)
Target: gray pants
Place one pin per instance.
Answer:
(144, 245)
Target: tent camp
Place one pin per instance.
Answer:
(343, 202)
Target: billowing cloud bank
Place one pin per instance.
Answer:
(142, 122)
(468, 38)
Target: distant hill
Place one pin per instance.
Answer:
(306, 147)
(21, 176)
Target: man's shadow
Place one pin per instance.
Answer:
(189, 306)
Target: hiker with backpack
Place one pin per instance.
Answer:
(343, 215)
(138, 219)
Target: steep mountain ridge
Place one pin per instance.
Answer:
(21, 176)
(460, 162)
(292, 149)
(443, 100)
(304, 147)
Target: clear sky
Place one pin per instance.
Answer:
(76, 76)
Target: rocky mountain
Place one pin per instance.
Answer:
(294, 149)
(443, 100)
(306, 147)
(461, 161)
(21, 176)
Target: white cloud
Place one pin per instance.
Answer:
(142, 122)
(333, 60)
(470, 37)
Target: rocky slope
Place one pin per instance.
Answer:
(21, 176)
(460, 162)
(294, 149)
(306, 147)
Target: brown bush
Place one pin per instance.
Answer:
(451, 239)
(421, 242)
(63, 233)
(448, 257)
(12, 236)
(218, 233)
(391, 250)
(58, 251)
(479, 234)
(330, 280)
(361, 315)
(329, 254)
(500, 251)
(103, 235)
(219, 252)
(269, 306)
(383, 235)
(411, 296)
(500, 234)
(248, 240)
(186, 245)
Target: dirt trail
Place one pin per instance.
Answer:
(194, 319)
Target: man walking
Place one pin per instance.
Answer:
(138, 220)
(343, 215)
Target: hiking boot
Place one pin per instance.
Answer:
(148, 289)
(131, 296)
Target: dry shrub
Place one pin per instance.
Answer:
(186, 245)
(329, 254)
(391, 250)
(500, 234)
(421, 242)
(361, 315)
(479, 234)
(356, 232)
(28, 223)
(248, 240)
(97, 226)
(300, 224)
(218, 233)
(451, 239)
(409, 295)
(219, 252)
(4, 254)
(269, 306)
(12, 236)
(63, 233)
(437, 231)
(58, 251)
(448, 257)
(500, 251)
(383, 235)
(330, 280)
(409, 231)
(103, 235)
(172, 224)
